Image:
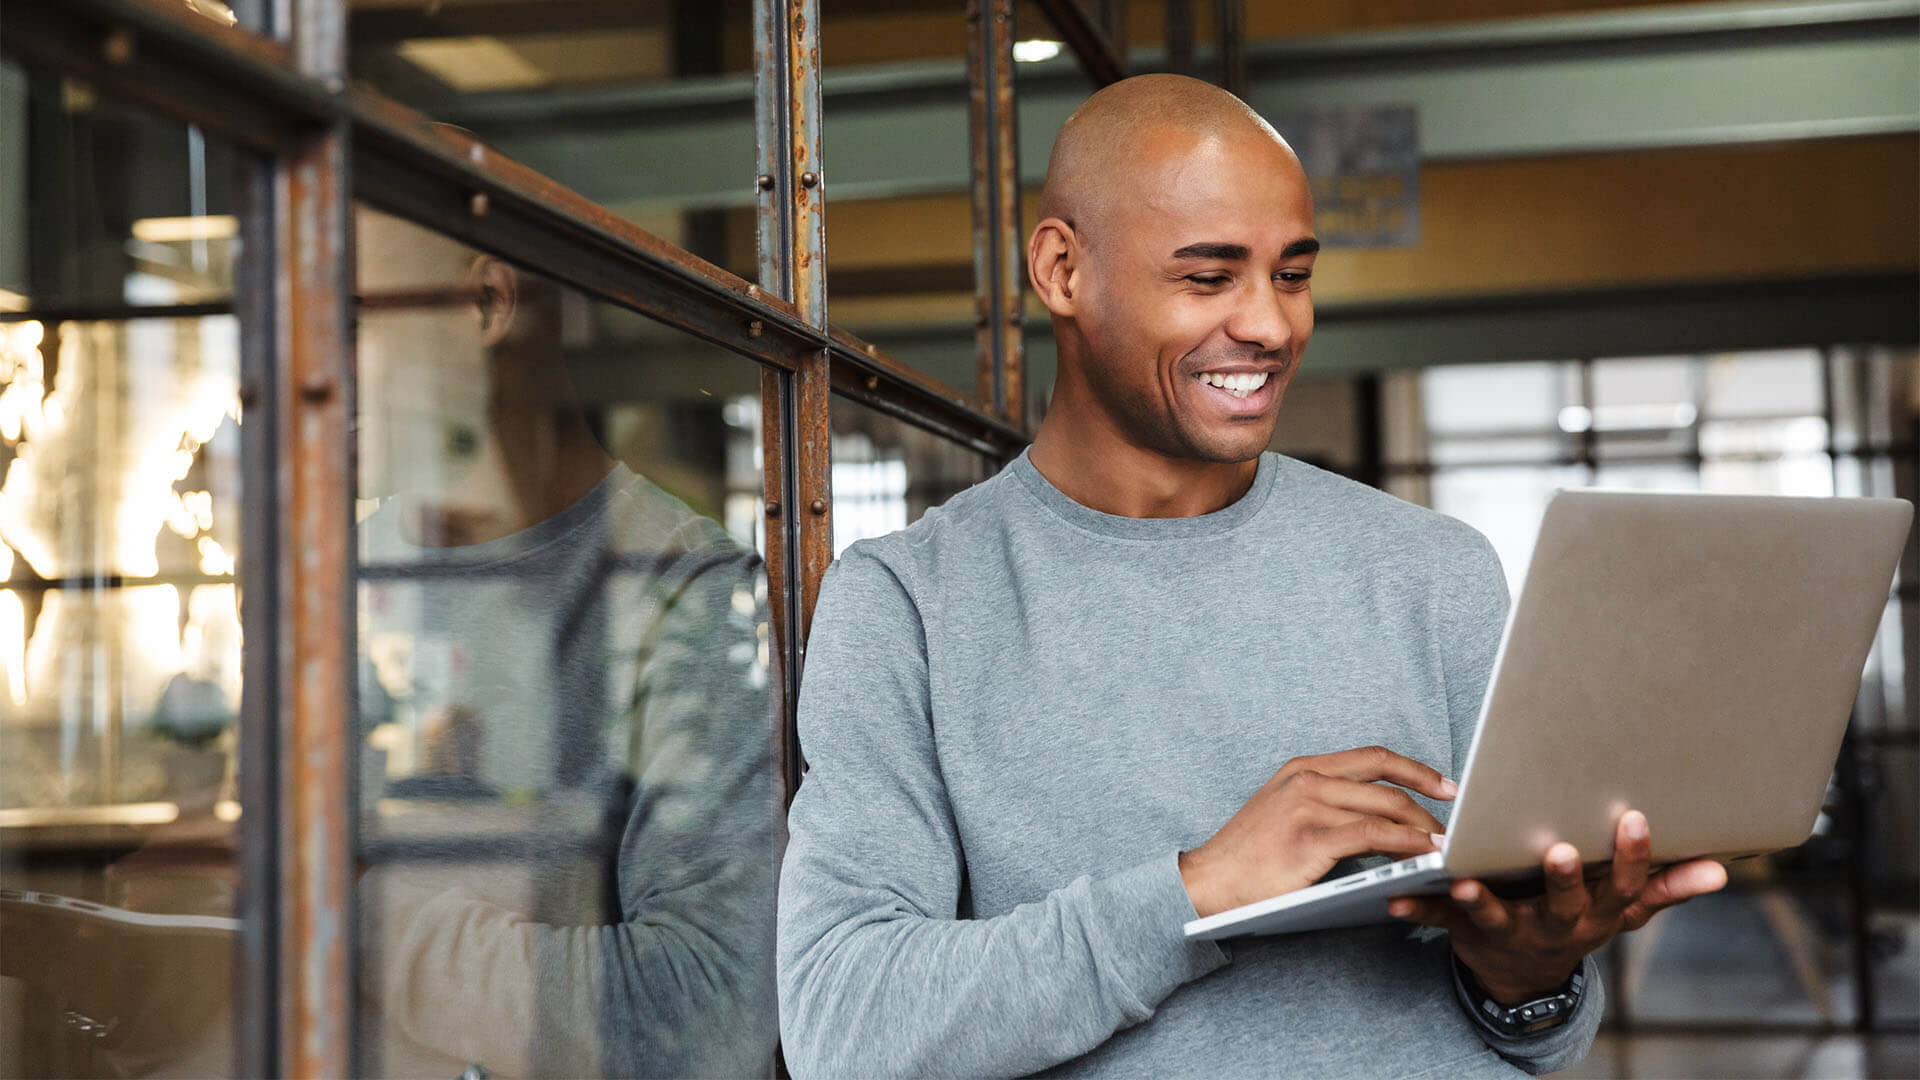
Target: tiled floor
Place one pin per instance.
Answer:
(1832, 1057)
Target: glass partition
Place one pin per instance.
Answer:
(120, 524)
(570, 798)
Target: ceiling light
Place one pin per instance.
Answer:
(177, 230)
(1035, 50)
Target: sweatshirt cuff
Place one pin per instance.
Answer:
(1144, 908)
(1557, 1047)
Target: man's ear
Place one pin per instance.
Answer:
(1054, 265)
(499, 288)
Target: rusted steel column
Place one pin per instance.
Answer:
(1230, 53)
(1178, 36)
(797, 440)
(997, 256)
(1098, 40)
(316, 572)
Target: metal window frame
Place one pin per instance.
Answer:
(317, 146)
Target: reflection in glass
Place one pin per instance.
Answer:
(120, 518)
(571, 817)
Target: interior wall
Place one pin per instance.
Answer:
(1776, 211)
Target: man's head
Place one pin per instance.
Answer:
(1174, 248)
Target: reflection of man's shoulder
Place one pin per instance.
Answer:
(650, 528)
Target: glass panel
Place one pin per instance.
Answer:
(886, 473)
(126, 209)
(1645, 407)
(1895, 868)
(1768, 384)
(1876, 396)
(571, 811)
(1771, 949)
(647, 109)
(1483, 399)
(120, 523)
(900, 215)
(1507, 504)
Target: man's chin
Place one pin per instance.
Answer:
(1231, 446)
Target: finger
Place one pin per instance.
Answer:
(1376, 800)
(1430, 911)
(1376, 836)
(1370, 763)
(1482, 908)
(1632, 847)
(1674, 885)
(1567, 897)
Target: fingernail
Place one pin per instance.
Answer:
(1563, 858)
(1636, 825)
(1400, 909)
(1439, 840)
(1448, 789)
(1467, 893)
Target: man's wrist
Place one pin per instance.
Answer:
(1193, 876)
(1511, 990)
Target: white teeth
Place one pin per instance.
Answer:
(1237, 385)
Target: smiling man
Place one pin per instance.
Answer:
(1148, 672)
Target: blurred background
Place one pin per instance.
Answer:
(1662, 246)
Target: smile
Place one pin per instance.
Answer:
(1238, 385)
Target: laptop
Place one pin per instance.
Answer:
(1694, 657)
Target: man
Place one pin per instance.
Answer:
(575, 877)
(1028, 716)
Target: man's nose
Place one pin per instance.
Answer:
(1260, 319)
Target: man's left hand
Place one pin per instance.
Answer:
(1524, 949)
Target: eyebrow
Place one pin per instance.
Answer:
(1240, 252)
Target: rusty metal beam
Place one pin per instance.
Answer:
(997, 262)
(256, 1012)
(791, 238)
(242, 87)
(1178, 36)
(314, 274)
(1230, 45)
(1100, 45)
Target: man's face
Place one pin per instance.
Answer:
(1198, 277)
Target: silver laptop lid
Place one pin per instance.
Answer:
(1692, 656)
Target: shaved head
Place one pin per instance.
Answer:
(1109, 137)
(1173, 250)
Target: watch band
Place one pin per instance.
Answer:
(1520, 1021)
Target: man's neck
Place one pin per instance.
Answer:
(1092, 463)
(509, 491)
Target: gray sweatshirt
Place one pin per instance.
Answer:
(1019, 710)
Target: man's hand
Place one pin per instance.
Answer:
(1524, 949)
(1314, 812)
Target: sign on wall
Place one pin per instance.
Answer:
(1364, 164)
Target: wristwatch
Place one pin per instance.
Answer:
(1533, 1017)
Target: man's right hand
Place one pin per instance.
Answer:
(1314, 812)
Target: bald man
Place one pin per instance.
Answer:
(1150, 671)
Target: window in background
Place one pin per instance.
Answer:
(887, 473)
(120, 526)
(570, 814)
(1803, 936)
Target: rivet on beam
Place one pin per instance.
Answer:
(773, 508)
(819, 506)
(809, 179)
(755, 328)
(477, 204)
(765, 181)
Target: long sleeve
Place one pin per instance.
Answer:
(678, 981)
(1473, 616)
(878, 974)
